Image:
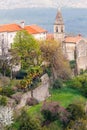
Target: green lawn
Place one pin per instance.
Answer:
(64, 96)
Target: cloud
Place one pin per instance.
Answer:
(10, 4)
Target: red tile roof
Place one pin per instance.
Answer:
(10, 28)
(73, 39)
(50, 36)
(34, 29)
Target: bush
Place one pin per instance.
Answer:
(4, 81)
(80, 83)
(84, 89)
(27, 123)
(32, 101)
(48, 71)
(72, 64)
(80, 124)
(7, 91)
(3, 101)
(52, 111)
(21, 74)
(75, 84)
(58, 84)
(76, 111)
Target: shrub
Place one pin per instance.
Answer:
(3, 101)
(48, 71)
(75, 84)
(21, 74)
(7, 91)
(80, 124)
(76, 110)
(27, 123)
(72, 64)
(80, 83)
(84, 89)
(32, 101)
(0, 89)
(52, 111)
(57, 84)
(5, 81)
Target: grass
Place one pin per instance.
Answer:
(64, 96)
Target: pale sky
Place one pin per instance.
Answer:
(10, 4)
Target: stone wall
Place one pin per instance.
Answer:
(40, 93)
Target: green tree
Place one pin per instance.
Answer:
(27, 49)
(52, 54)
(4, 65)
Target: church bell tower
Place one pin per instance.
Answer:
(59, 27)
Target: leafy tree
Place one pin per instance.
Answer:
(14, 60)
(27, 48)
(4, 65)
(52, 54)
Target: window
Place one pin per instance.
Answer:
(56, 29)
(61, 29)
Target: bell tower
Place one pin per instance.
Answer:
(59, 27)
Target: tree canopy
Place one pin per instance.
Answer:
(27, 49)
(52, 53)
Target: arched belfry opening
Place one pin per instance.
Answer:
(59, 27)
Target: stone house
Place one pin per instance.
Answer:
(74, 47)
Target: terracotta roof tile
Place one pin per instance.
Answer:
(10, 28)
(33, 29)
(50, 36)
(73, 39)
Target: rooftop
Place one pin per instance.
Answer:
(10, 28)
(59, 18)
(73, 39)
(32, 29)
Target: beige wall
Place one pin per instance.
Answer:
(81, 51)
(68, 49)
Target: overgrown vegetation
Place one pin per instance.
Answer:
(60, 111)
(79, 83)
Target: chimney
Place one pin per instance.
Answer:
(22, 24)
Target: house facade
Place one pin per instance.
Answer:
(8, 32)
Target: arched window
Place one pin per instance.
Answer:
(56, 29)
(61, 29)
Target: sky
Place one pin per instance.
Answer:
(11, 4)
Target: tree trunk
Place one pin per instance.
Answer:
(32, 94)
